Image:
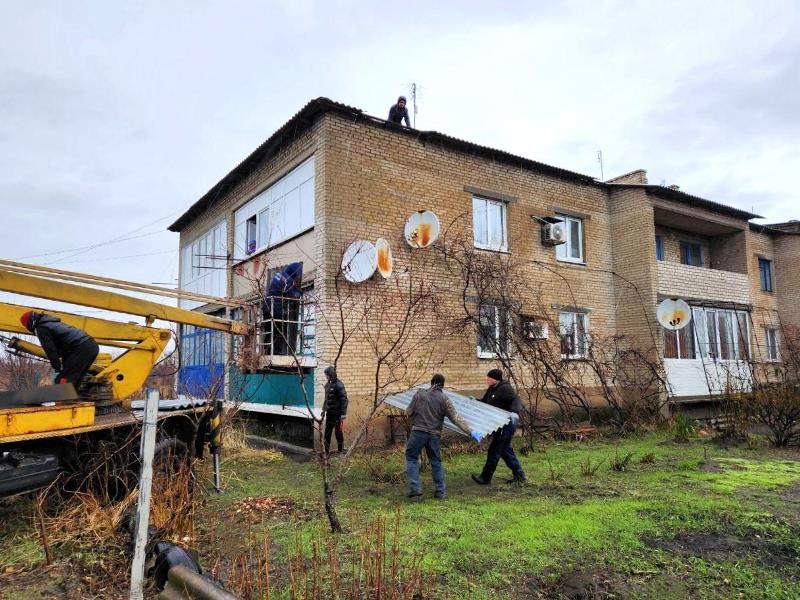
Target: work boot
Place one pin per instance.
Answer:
(518, 478)
(480, 480)
(413, 494)
(441, 496)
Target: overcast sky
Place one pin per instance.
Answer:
(115, 117)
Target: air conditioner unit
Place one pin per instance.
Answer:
(554, 234)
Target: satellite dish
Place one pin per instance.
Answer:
(359, 261)
(422, 229)
(673, 314)
(384, 258)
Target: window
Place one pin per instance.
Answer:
(493, 331)
(765, 269)
(534, 329)
(202, 265)
(691, 254)
(659, 247)
(489, 226)
(282, 211)
(572, 250)
(713, 333)
(771, 343)
(250, 236)
(679, 343)
(573, 334)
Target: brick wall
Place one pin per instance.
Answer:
(378, 178)
(697, 283)
(787, 277)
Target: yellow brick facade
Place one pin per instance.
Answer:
(370, 179)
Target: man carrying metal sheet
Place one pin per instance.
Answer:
(501, 394)
(427, 411)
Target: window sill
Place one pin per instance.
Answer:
(491, 249)
(564, 357)
(577, 263)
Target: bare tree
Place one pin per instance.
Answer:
(20, 371)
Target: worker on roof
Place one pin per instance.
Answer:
(427, 411)
(70, 350)
(398, 112)
(501, 394)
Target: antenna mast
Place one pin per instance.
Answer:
(414, 104)
(600, 160)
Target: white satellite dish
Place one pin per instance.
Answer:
(422, 229)
(384, 257)
(359, 261)
(673, 313)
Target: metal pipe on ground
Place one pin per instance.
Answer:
(183, 584)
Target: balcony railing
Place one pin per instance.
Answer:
(284, 336)
(699, 283)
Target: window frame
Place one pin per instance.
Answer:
(499, 312)
(708, 343)
(766, 275)
(503, 247)
(568, 245)
(772, 350)
(660, 248)
(573, 334)
(689, 245)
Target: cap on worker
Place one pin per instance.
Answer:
(331, 372)
(437, 379)
(495, 374)
(25, 319)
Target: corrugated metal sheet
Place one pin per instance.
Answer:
(165, 404)
(481, 417)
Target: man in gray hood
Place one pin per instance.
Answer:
(70, 350)
(427, 411)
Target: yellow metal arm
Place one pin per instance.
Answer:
(127, 372)
(49, 289)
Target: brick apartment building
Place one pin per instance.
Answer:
(333, 174)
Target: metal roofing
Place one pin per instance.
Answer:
(165, 404)
(481, 417)
(306, 117)
(688, 199)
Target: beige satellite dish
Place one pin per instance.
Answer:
(673, 313)
(422, 229)
(385, 261)
(359, 261)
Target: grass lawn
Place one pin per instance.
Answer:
(681, 521)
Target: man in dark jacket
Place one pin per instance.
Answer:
(398, 112)
(335, 409)
(427, 411)
(501, 394)
(70, 351)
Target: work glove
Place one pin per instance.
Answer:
(476, 435)
(514, 419)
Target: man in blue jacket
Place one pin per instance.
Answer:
(70, 350)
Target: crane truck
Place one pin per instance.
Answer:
(46, 429)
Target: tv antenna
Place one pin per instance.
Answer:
(414, 105)
(600, 160)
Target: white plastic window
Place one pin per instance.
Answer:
(489, 226)
(572, 250)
